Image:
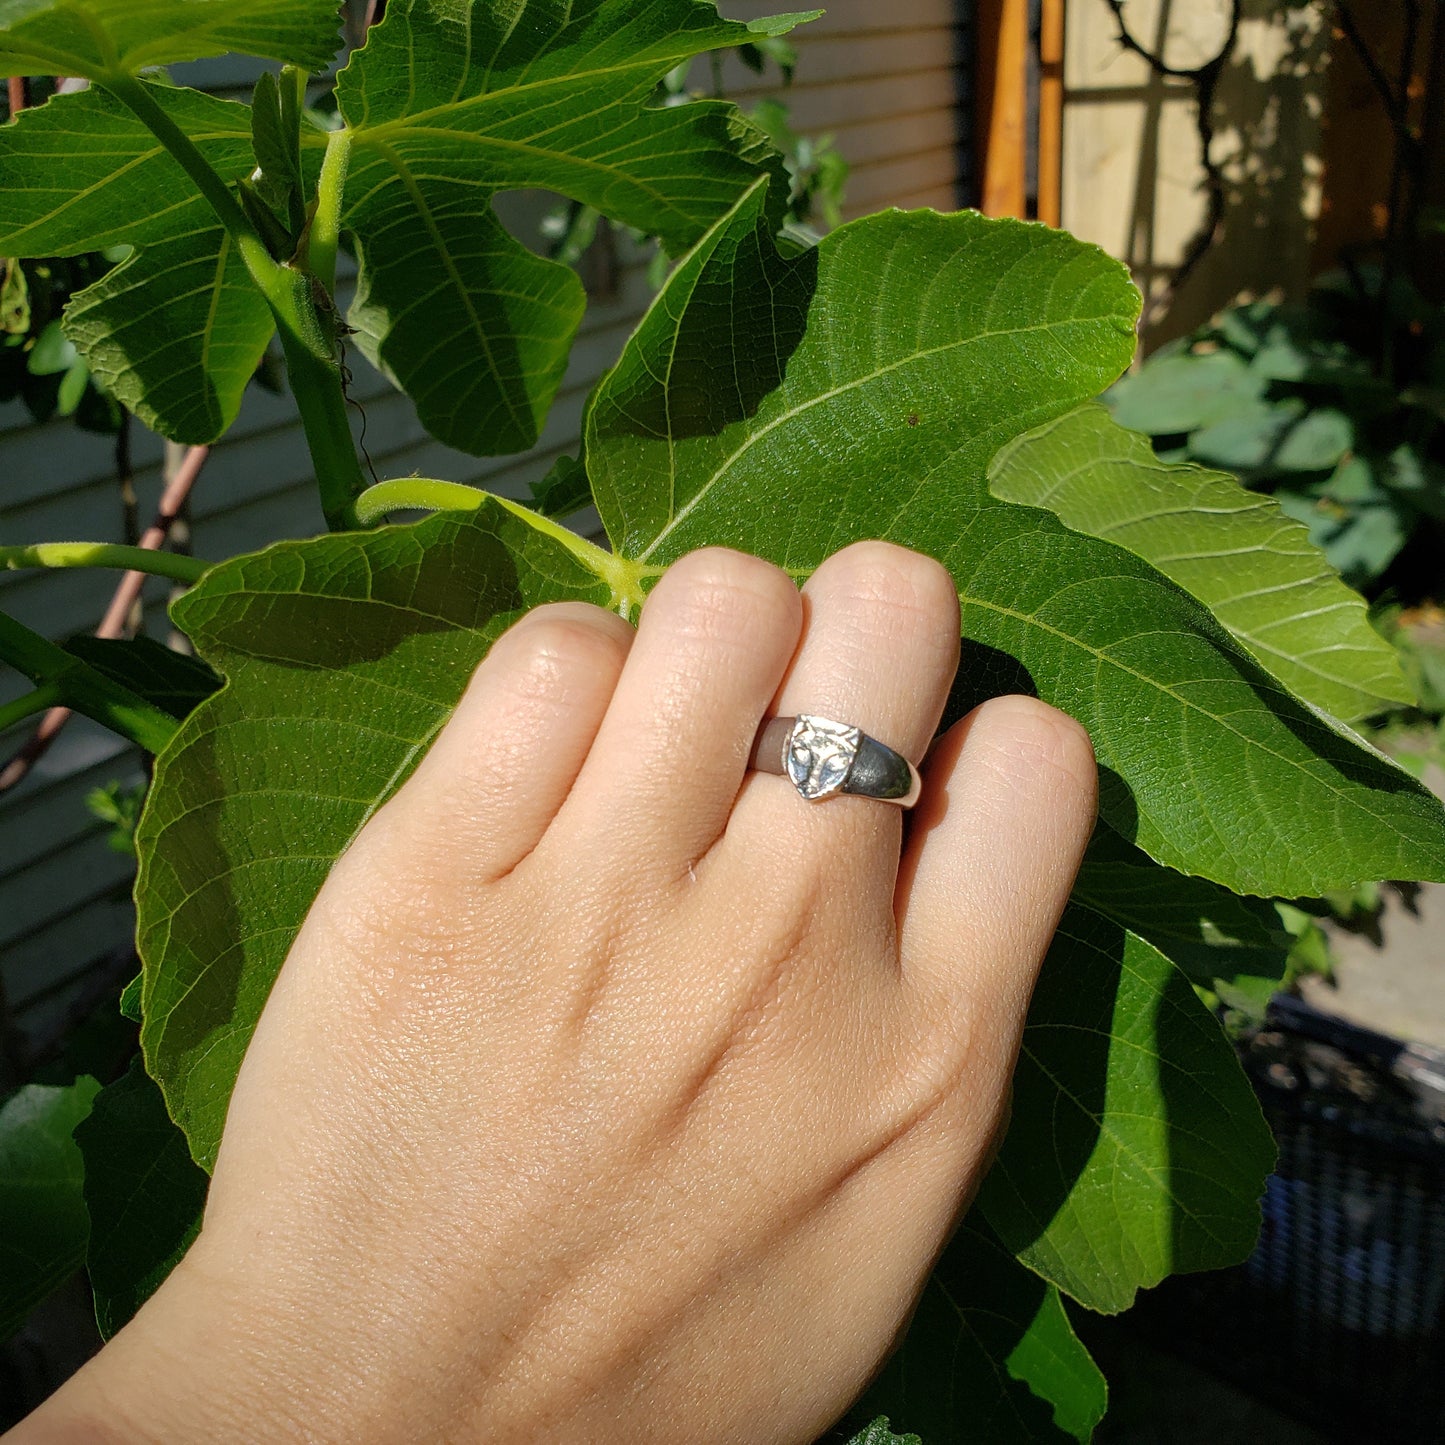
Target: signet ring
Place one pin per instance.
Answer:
(823, 758)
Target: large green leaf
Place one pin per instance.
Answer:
(343, 656)
(143, 1192)
(1136, 1148)
(990, 1355)
(96, 38)
(446, 106)
(915, 345)
(1235, 551)
(43, 1222)
(177, 328)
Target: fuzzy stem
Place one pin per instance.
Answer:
(419, 494)
(326, 223)
(187, 570)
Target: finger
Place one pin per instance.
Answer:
(500, 769)
(879, 650)
(1007, 807)
(715, 635)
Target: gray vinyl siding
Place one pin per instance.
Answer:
(887, 93)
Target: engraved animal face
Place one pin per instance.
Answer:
(820, 752)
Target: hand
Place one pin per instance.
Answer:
(611, 1091)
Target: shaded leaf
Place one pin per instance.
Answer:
(276, 139)
(1211, 934)
(343, 657)
(175, 332)
(448, 107)
(143, 1192)
(176, 329)
(95, 38)
(173, 681)
(43, 1223)
(1274, 436)
(1235, 551)
(990, 1355)
(1136, 1148)
(564, 490)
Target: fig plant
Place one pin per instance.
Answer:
(921, 377)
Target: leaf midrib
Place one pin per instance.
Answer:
(853, 383)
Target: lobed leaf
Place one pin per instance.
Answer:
(96, 38)
(1235, 551)
(342, 656)
(446, 106)
(176, 330)
(990, 1355)
(43, 1222)
(143, 1192)
(1136, 1148)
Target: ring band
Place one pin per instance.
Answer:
(823, 758)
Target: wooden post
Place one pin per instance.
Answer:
(1002, 114)
(1051, 111)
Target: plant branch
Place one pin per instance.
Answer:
(40, 700)
(1205, 80)
(84, 688)
(1393, 101)
(113, 624)
(137, 560)
(136, 95)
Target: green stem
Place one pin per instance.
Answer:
(308, 341)
(188, 570)
(624, 576)
(78, 685)
(416, 494)
(326, 222)
(41, 700)
(316, 385)
(136, 94)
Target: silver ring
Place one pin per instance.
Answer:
(823, 758)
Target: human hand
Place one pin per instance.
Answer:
(611, 1091)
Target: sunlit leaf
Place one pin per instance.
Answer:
(447, 107)
(1235, 551)
(96, 38)
(1135, 1148)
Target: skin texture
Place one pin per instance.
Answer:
(611, 1091)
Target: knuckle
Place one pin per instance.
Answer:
(713, 593)
(1026, 734)
(552, 647)
(904, 591)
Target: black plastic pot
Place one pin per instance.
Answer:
(1339, 1315)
